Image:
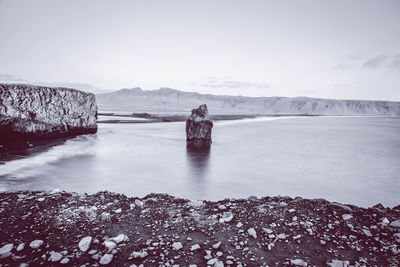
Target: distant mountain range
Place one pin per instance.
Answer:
(171, 100)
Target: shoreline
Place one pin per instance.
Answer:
(163, 230)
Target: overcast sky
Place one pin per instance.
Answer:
(331, 49)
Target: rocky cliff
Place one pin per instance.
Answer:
(199, 127)
(175, 100)
(32, 112)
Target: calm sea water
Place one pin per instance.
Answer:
(346, 159)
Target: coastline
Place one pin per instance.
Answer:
(161, 229)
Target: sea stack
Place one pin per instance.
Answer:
(37, 112)
(199, 127)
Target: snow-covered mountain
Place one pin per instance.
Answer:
(170, 99)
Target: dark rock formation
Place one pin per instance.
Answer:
(199, 127)
(36, 112)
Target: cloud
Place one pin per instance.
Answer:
(5, 77)
(216, 82)
(396, 62)
(8, 78)
(341, 67)
(80, 86)
(375, 62)
(307, 92)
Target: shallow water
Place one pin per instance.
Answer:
(346, 159)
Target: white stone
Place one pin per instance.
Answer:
(226, 217)
(216, 245)
(222, 207)
(267, 231)
(110, 245)
(21, 247)
(296, 237)
(385, 221)
(219, 264)
(252, 232)
(106, 259)
(195, 247)
(36, 243)
(6, 248)
(177, 245)
(139, 254)
(346, 217)
(298, 262)
(212, 261)
(119, 238)
(219, 253)
(84, 244)
(281, 236)
(55, 256)
(208, 255)
(395, 223)
(138, 203)
(118, 210)
(367, 232)
(64, 261)
(338, 263)
(239, 224)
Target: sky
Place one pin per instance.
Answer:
(327, 49)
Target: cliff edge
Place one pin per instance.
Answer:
(38, 112)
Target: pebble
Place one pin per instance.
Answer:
(64, 261)
(177, 245)
(106, 259)
(118, 210)
(347, 216)
(267, 231)
(55, 256)
(281, 236)
(212, 261)
(226, 217)
(6, 248)
(222, 207)
(84, 244)
(93, 251)
(195, 247)
(252, 232)
(138, 203)
(367, 232)
(298, 262)
(21, 247)
(239, 224)
(216, 245)
(395, 223)
(208, 255)
(119, 238)
(110, 245)
(338, 263)
(139, 254)
(36, 243)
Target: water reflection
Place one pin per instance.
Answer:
(198, 160)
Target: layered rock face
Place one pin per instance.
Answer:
(36, 112)
(199, 127)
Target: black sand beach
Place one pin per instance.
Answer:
(55, 228)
